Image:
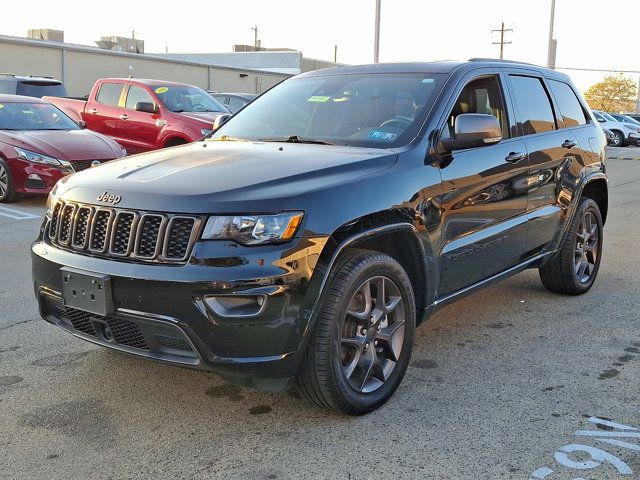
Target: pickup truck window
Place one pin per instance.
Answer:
(534, 108)
(34, 116)
(185, 98)
(365, 110)
(569, 105)
(135, 95)
(109, 93)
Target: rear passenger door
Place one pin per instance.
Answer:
(101, 113)
(551, 148)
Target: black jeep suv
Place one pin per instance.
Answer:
(304, 240)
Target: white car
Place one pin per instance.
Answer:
(625, 133)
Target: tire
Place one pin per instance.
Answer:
(7, 192)
(618, 138)
(333, 373)
(566, 273)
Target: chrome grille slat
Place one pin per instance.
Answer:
(123, 233)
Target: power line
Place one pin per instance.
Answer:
(598, 69)
(502, 43)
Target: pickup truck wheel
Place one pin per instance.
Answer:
(575, 267)
(364, 335)
(7, 194)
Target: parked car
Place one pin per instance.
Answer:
(39, 144)
(611, 138)
(31, 86)
(635, 116)
(625, 118)
(624, 133)
(308, 236)
(145, 115)
(233, 101)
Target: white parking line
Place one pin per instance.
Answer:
(16, 214)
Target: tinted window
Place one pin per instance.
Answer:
(235, 104)
(8, 86)
(368, 109)
(135, 95)
(35, 89)
(482, 95)
(569, 105)
(109, 93)
(534, 108)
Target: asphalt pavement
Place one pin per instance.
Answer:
(510, 383)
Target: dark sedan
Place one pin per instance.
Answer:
(39, 144)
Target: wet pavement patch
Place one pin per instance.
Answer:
(226, 390)
(626, 358)
(12, 348)
(9, 380)
(612, 372)
(425, 364)
(548, 389)
(632, 349)
(260, 410)
(60, 360)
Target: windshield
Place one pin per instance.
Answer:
(369, 110)
(186, 98)
(35, 89)
(33, 116)
(630, 120)
(608, 117)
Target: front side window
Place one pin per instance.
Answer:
(370, 110)
(482, 95)
(109, 93)
(185, 98)
(33, 116)
(570, 108)
(135, 95)
(534, 108)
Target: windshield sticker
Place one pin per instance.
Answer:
(318, 98)
(428, 80)
(161, 90)
(378, 135)
(342, 99)
(1, 105)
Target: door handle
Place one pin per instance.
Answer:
(514, 157)
(93, 110)
(124, 116)
(569, 143)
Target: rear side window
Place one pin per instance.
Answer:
(135, 95)
(8, 86)
(535, 114)
(570, 108)
(109, 93)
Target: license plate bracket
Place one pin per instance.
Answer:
(87, 291)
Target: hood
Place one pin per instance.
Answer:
(205, 119)
(223, 177)
(64, 144)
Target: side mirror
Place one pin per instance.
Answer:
(147, 107)
(220, 120)
(82, 124)
(473, 130)
(601, 120)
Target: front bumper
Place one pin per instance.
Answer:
(160, 312)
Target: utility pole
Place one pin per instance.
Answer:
(502, 43)
(255, 36)
(553, 43)
(335, 54)
(638, 100)
(376, 41)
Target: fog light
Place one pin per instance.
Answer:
(35, 181)
(238, 306)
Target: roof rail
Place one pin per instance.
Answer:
(498, 60)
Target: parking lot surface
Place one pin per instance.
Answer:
(512, 382)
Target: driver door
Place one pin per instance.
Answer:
(485, 193)
(137, 130)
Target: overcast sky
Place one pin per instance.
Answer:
(590, 33)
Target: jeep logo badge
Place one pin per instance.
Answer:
(109, 198)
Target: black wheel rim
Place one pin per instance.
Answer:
(587, 247)
(4, 182)
(372, 334)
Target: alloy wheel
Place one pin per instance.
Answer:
(4, 181)
(587, 245)
(372, 334)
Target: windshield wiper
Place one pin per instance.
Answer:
(297, 139)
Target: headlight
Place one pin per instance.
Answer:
(205, 132)
(36, 157)
(253, 229)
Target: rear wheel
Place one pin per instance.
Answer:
(7, 192)
(362, 343)
(574, 269)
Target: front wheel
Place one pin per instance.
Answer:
(364, 335)
(7, 192)
(618, 138)
(575, 267)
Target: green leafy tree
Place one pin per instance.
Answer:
(615, 93)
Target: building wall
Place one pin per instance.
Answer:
(79, 66)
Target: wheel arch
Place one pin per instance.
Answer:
(597, 189)
(174, 140)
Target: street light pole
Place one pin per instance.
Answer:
(553, 43)
(376, 41)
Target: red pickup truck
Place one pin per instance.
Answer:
(144, 115)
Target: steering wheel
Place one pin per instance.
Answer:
(396, 122)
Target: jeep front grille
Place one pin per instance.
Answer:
(122, 233)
